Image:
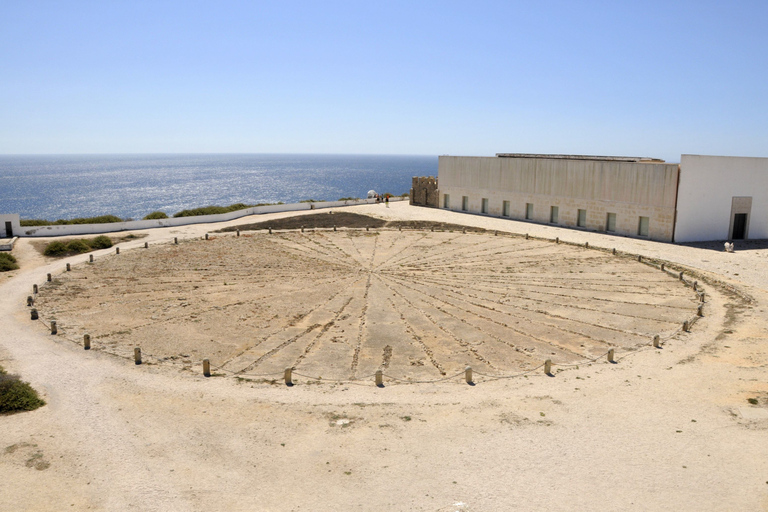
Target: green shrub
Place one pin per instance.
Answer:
(216, 210)
(16, 395)
(103, 219)
(55, 248)
(78, 247)
(349, 199)
(100, 242)
(34, 222)
(205, 210)
(7, 262)
(156, 215)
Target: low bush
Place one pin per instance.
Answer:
(55, 248)
(216, 210)
(156, 215)
(16, 395)
(100, 242)
(205, 210)
(77, 246)
(349, 199)
(7, 262)
(103, 219)
(35, 222)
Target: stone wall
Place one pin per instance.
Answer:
(424, 192)
(503, 187)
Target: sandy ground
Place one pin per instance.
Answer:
(663, 429)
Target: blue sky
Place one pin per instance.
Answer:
(463, 78)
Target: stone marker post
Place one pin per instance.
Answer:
(86, 342)
(468, 374)
(137, 355)
(54, 329)
(206, 368)
(379, 379)
(548, 367)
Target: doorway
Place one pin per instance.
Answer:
(741, 207)
(8, 230)
(739, 226)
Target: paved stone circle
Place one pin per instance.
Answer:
(340, 305)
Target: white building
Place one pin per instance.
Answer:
(702, 198)
(722, 198)
(9, 225)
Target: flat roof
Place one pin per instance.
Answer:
(640, 159)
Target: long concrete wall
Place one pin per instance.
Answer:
(708, 186)
(86, 229)
(627, 189)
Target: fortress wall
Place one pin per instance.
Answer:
(424, 192)
(628, 189)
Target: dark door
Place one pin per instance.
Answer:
(8, 230)
(739, 226)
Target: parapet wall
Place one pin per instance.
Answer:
(88, 229)
(424, 191)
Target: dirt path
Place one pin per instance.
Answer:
(662, 429)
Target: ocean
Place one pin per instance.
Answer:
(131, 186)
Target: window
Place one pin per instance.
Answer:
(446, 201)
(484, 205)
(505, 208)
(642, 227)
(581, 220)
(464, 203)
(554, 213)
(529, 211)
(610, 222)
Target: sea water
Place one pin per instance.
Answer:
(131, 186)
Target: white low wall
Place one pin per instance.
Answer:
(7, 244)
(90, 229)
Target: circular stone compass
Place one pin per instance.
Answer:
(343, 304)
